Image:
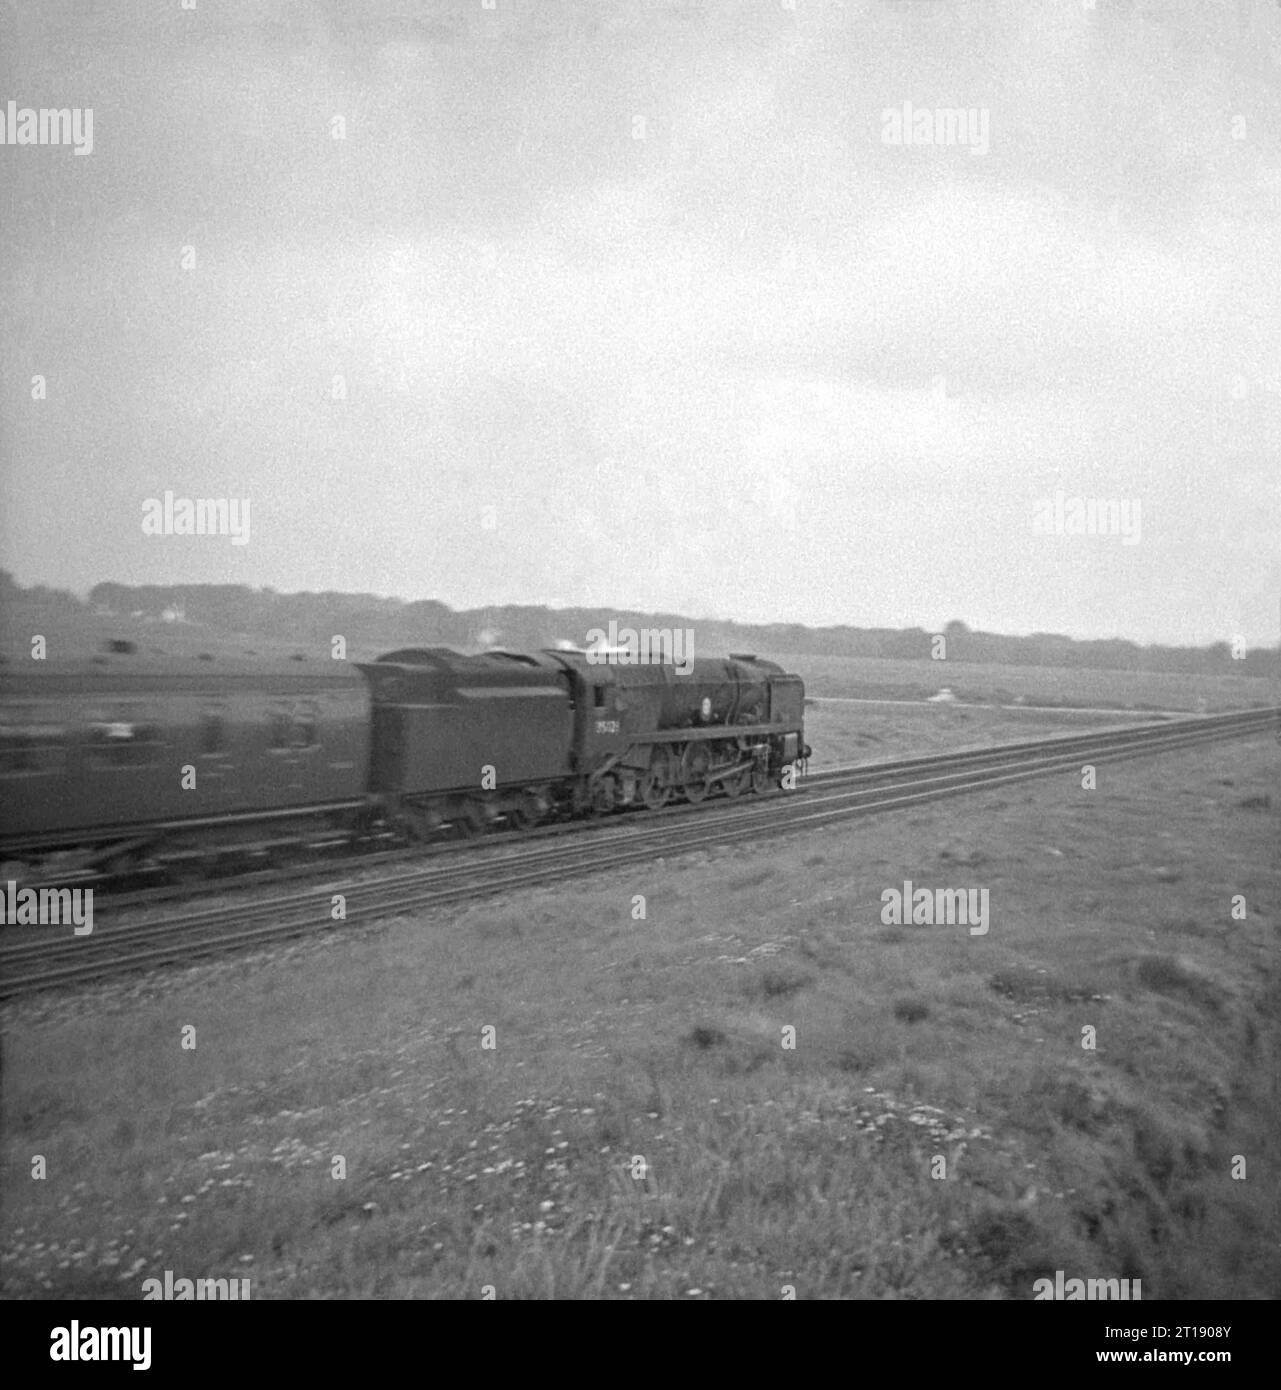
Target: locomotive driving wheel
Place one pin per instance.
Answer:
(604, 797)
(529, 809)
(656, 784)
(736, 782)
(469, 820)
(759, 776)
(695, 765)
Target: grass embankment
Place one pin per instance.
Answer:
(661, 1040)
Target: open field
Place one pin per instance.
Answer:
(844, 734)
(639, 1129)
(875, 678)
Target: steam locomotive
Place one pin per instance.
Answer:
(125, 761)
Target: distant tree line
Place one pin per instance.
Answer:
(373, 623)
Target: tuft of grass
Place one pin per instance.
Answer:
(1024, 986)
(1000, 1235)
(1050, 1101)
(777, 982)
(750, 880)
(1171, 977)
(911, 1010)
(1184, 926)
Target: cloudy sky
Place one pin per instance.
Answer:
(631, 303)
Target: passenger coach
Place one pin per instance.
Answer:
(130, 756)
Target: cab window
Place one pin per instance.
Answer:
(28, 744)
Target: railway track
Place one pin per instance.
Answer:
(323, 863)
(31, 959)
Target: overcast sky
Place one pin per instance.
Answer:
(647, 280)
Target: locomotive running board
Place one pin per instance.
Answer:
(707, 732)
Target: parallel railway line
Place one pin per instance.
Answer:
(31, 962)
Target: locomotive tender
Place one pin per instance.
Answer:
(123, 761)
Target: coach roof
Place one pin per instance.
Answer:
(125, 666)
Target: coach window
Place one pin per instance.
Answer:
(306, 723)
(122, 737)
(17, 746)
(213, 733)
(281, 730)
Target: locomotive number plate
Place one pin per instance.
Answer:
(607, 726)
